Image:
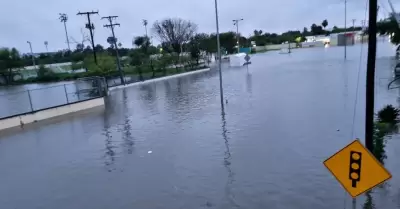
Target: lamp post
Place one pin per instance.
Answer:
(236, 22)
(46, 43)
(219, 55)
(33, 58)
(64, 18)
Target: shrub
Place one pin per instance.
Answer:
(389, 114)
(45, 75)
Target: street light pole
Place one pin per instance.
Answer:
(46, 44)
(33, 58)
(236, 22)
(64, 19)
(219, 55)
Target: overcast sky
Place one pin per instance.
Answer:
(37, 20)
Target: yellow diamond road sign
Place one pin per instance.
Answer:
(357, 169)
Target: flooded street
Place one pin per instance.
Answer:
(169, 145)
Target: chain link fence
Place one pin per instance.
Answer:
(32, 100)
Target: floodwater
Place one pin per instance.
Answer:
(170, 145)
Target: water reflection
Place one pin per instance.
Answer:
(227, 163)
(369, 202)
(148, 97)
(127, 138)
(109, 155)
(249, 83)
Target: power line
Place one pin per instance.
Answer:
(114, 41)
(90, 26)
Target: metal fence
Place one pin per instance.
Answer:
(32, 100)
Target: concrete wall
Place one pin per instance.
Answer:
(277, 46)
(158, 79)
(274, 47)
(49, 113)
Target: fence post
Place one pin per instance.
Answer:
(30, 100)
(66, 94)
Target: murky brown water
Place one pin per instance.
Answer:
(265, 150)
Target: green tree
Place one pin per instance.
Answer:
(105, 64)
(44, 74)
(164, 61)
(143, 43)
(10, 60)
(174, 32)
(317, 29)
(324, 23)
(137, 59)
(389, 26)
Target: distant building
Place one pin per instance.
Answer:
(317, 38)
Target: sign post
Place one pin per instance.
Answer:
(356, 169)
(247, 59)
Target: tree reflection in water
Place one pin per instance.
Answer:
(109, 156)
(127, 128)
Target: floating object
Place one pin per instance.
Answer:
(149, 152)
(237, 60)
(337, 130)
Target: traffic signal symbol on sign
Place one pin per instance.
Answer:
(356, 169)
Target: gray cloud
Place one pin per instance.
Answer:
(37, 21)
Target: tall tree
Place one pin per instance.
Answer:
(10, 60)
(174, 32)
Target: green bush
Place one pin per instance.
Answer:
(46, 75)
(105, 64)
(389, 114)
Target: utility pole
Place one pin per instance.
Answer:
(236, 22)
(111, 26)
(64, 18)
(219, 55)
(33, 58)
(345, 29)
(363, 29)
(370, 83)
(90, 26)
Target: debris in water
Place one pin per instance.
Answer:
(149, 152)
(337, 130)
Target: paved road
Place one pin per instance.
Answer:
(169, 145)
